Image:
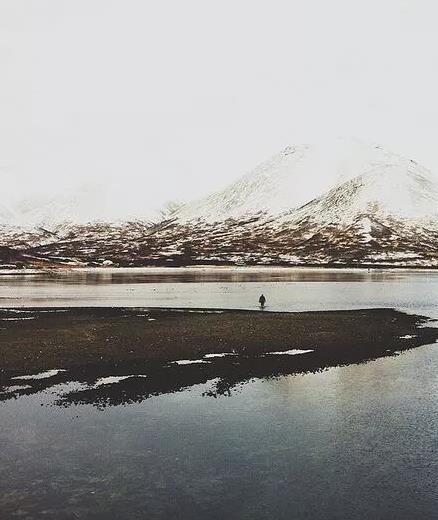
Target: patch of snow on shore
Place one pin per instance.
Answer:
(292, 352)
(41, 375)
(17, 388)
(18, 319)
(109, 380)
(222, 354)
(190, 362)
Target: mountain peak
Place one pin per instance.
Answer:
(299, 174)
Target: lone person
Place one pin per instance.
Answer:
(262, 301)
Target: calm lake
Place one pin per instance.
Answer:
(353, 442)
(286, 289)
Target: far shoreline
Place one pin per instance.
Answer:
(216, 268)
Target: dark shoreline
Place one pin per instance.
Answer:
(93, 343)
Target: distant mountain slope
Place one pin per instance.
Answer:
(339, 204)
(89, 203)
(300, 174)
(403, 191)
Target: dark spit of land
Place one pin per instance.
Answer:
(91, 343)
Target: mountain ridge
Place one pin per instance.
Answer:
(293, 178)
(348, 204)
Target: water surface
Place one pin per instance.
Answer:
(354, 442)
(286, 289)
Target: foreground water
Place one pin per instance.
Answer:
(352, 442)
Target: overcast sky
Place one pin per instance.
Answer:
(170, 99)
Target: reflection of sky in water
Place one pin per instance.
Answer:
(352, 442)
(293, 290)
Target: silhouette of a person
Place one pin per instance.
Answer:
(262, 301)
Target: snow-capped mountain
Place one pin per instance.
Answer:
(362, 175)
(86, 204)
(403, 191)
(344, 203)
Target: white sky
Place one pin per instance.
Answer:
(170, 99)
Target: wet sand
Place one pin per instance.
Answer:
(164, 350)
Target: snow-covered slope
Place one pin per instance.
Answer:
(401, 190)
(299, 174)
(85, 204)
(90, 203)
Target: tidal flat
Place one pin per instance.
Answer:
(156, 351)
